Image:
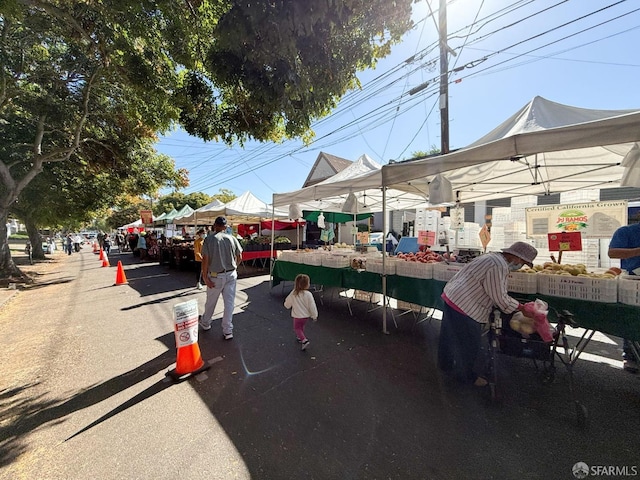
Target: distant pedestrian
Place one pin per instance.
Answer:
(77, 241)
(142, 245)
(100, 238)
(122, 244)
(107, 244)
(133, 244)
(69, 244)
(197, 254)
(221, 255)
(303, 307)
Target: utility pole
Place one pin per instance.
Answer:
(444, 78)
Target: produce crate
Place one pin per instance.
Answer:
(522, 282)
(583, 288)
(335, 261)
(414, 269)
(312, 258)
(445, 271)
(291, 256)
(629, 289)
(375, 265)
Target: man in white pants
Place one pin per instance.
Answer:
(221, 255)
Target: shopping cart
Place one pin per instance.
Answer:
(544, 355)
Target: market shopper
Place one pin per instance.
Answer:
(197, 255)
(469, 298)
(625, 245)
(142, 245)
(303, 307)
(221, 255)
(106, 241)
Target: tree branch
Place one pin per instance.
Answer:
(59, 14)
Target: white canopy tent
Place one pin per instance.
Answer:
(544, 148)
(136, 224)
(249, 205)
(363, 178)
(246, 206)
(203, 214)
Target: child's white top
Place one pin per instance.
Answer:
(302, 305)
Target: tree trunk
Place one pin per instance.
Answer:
(8, 269)
(36, 240)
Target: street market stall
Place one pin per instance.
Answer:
(610, 317)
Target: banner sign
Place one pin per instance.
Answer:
(186, 323)
(565, 242)
(146, 216)
(592, 219)
(426, 237)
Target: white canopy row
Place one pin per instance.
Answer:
(542, 149)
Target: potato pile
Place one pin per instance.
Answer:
(577, 270)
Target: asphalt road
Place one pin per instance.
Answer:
(84, 393)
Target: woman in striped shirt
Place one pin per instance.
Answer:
(469, 298)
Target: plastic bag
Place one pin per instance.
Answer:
(538, 311)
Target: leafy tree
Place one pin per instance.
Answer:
(422, 154)
(273, 67)
(69, 195)
(224, 196)
(75, 76)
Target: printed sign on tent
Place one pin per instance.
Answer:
(565, 242)
(426, 237)
(146, 216)
(593, 219)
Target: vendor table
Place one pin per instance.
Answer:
(330, 277)
(261, 256)
(615, 319)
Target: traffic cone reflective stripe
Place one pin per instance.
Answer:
(121, 278)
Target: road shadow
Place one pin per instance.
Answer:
(23, 413)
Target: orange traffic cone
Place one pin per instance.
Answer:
(121, 278)
(105, 261)
(189, 361)
(95, 247)
(101, 254)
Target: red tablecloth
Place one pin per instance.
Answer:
(259, 254)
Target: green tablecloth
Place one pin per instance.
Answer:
(330, 277)
(416, 290)
(611, 318)
(362, 280)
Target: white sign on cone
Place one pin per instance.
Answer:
(186, 321)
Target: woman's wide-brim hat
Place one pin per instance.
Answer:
(525, 252)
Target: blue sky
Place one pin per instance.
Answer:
(582, 53)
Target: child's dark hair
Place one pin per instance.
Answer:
(301, 283)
